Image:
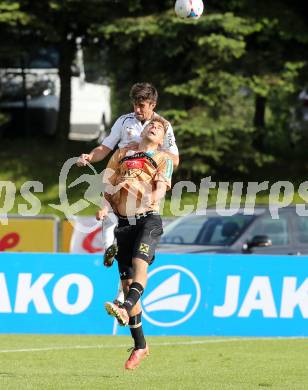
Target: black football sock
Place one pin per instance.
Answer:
(135, 326)
(134, 293)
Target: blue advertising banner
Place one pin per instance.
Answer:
(55, 293)
(238, 295)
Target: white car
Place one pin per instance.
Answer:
(31, 96)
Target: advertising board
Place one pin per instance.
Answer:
(206, 295)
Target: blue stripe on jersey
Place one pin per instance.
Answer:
(169, 168)
(129, 116)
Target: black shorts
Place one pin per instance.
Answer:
(137, 240)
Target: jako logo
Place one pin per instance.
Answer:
(174, 297)
(30, 294)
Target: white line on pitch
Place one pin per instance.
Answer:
(108, 346)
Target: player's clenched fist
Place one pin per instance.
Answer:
(83, 160)
(101, 214)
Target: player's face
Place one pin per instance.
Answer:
(144, 110)
(155, 132)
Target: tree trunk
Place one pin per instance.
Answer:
(67, 53)
(259, 122)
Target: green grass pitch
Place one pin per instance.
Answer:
(96, 362)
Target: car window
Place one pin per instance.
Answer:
(223, 230)
(205, 230)
(301, 229)
(275, 229)
(183, 230)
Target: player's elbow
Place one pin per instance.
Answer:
(176, 161)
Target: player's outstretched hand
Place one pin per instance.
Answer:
(83, 160)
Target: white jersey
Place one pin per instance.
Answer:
(128, 129)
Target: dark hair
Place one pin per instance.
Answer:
(143, 91)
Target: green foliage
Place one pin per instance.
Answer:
(3, 119)
(208, 142)
(210, 73)
(11, 14)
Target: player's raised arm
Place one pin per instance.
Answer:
(162, 180)
(101, 152)
(97, 154)
(159, 192)
(169, 146)
(175, 159)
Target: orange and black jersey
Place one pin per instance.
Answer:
(135, 172)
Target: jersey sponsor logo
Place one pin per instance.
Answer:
(170, 140)
(144, 248)
(174, 296)
(131, 174)
(135, 163)
(131, 132)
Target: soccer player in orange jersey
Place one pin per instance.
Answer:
(125, 132)
(138, 180)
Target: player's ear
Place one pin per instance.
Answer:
(153, 105)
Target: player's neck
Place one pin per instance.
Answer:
(146, 146)
(149, 118)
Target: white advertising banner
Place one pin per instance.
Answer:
(87, 235)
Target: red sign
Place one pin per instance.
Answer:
(9, 241)
(87, 243)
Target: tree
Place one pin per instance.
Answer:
(193, 64)
(226, 80)
(217, 77)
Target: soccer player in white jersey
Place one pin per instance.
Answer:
(125, 132)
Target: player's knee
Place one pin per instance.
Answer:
(140, 265)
